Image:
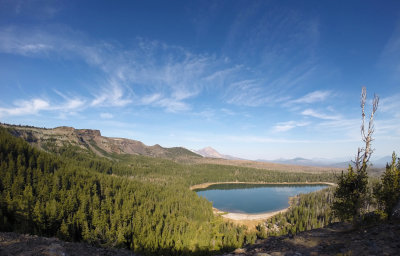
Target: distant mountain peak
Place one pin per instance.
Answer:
(209, 152)
(209, 148)
(212, 153)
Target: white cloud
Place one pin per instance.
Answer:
(269, 89)
(312, 97)
(16, 41)
(248, 92)
(274, 52)
(148, 99)
(313, 113)
(286, 126)
(172, 105)
(70, 103)
(25, 108)
(111, 95)
(390, 104)
(221, 75)
(156, 74)
(69, 106)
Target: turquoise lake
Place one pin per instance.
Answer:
(254, 198)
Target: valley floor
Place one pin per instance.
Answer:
(336, 239)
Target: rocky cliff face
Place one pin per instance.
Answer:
(87, 139)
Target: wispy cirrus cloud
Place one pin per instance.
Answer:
(268, 90)
(345, 127)
(70, 103)
(289, 125)
(111, 95)
(312, 97)
(390, 55)
(390, 104)
(170, 104)
(151, 98)
(273, 52)
(313, 113)
(129, 75)
(246, 92)
(173, 105)
(155, 74)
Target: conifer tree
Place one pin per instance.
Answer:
(387, 192)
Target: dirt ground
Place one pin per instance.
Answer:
(337, 239)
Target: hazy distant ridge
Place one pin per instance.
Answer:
(379, 163)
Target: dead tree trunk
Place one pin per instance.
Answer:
(364, 154)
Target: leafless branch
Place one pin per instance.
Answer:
(364, 154)
(363, 100)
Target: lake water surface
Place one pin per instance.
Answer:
(253, 198)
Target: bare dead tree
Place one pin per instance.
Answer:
(364, 154)
(352, 193)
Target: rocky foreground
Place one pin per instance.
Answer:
(337, 239)
(13, 244)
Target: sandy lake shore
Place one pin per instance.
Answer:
(246, 216)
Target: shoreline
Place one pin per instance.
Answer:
(207, 184)
(248, 217)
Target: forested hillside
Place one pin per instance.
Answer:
(137, 202)
(308, 211)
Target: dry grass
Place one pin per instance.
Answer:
(265, 165)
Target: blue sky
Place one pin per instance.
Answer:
(253, 79)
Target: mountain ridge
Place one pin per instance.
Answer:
(92, 140)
